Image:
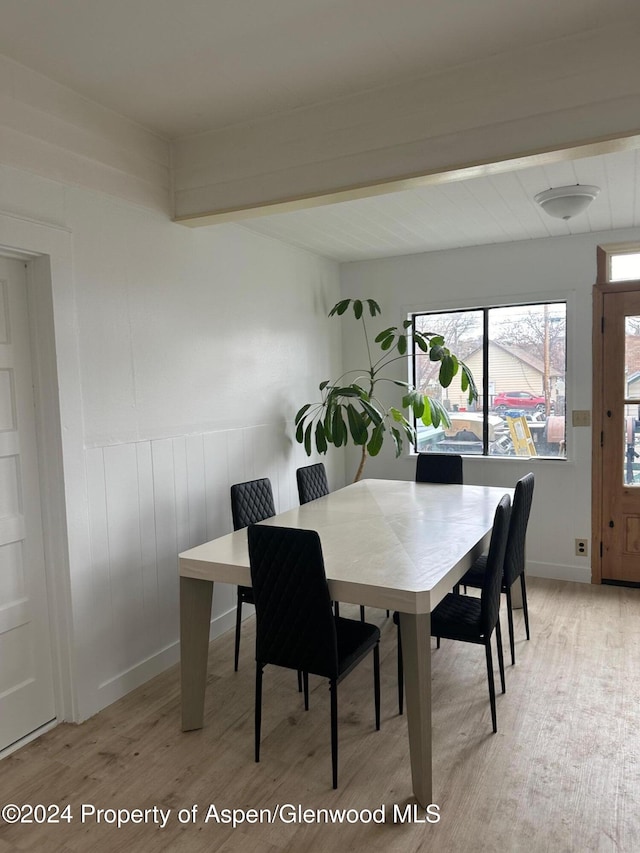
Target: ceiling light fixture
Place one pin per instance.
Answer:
(566, 202)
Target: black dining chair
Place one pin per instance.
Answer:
(250, 502)
(473, 620)
(514, 558)
(312, 482)
(439, 468)
(295, 624)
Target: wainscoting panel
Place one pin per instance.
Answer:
(148, 501)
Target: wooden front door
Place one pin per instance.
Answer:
(620, 435)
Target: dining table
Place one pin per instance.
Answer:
(389, 544)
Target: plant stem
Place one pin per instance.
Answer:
(363, 459)
(366, 340)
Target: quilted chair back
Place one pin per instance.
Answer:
(312, 482)
(514, 557)
(439, 468)
(490, 596)
(295, 626)
(251, 502)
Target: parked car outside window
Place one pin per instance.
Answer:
(518, 400)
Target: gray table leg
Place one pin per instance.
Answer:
(416, 653)
(195, 617)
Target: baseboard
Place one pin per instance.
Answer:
(578, 574)
(118, 686)
(14, 747)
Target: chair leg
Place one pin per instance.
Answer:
(299, 681)
(336, 608)
(400, 674)
(512, 642)
(376, 683)
(492, 689)
(333, 687)
(258, 711)
(500, 655)
(238, 622)
(525, 609)
(437, 642)
(305, 681)
(361, 613)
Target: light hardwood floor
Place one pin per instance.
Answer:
(562, 774)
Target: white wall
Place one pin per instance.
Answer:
(51, 131)
(540, 269)
(183, 356)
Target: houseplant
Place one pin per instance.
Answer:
(354, 409)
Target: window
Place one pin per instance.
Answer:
(625, 266)
(618, 262)
(517, 355)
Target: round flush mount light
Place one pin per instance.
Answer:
(566, 202)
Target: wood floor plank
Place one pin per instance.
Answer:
(561, 774)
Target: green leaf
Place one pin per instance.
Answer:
(384, 334)
(418, 406)
(436, 352)
(321, 439)
(359, 391)
(307, 440)
(402, 345)
(328, 420)
(374, 308)
(301, 412)
(437, 412)
(422, 343)
(347, 391)
(447, 371)
(386, 343)
(396, 414)
(340, 307)
(371, 410)
(409, 431)
(338, 428)
(357, 308)
(407, 324)
(397, 440)
(468, 377)
(300, 432)
(426, 415)
(375, 442)
(323, 385)
(357, 426)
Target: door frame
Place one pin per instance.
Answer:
(46, 252)
(600, 290)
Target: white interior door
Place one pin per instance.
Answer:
(26, 677)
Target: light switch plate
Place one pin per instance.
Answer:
(581, 418)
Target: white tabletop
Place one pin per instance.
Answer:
(391, 544)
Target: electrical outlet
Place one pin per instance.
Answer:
(581, 548)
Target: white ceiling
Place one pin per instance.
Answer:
(180, 67)
(493, 209)
(184, 66)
